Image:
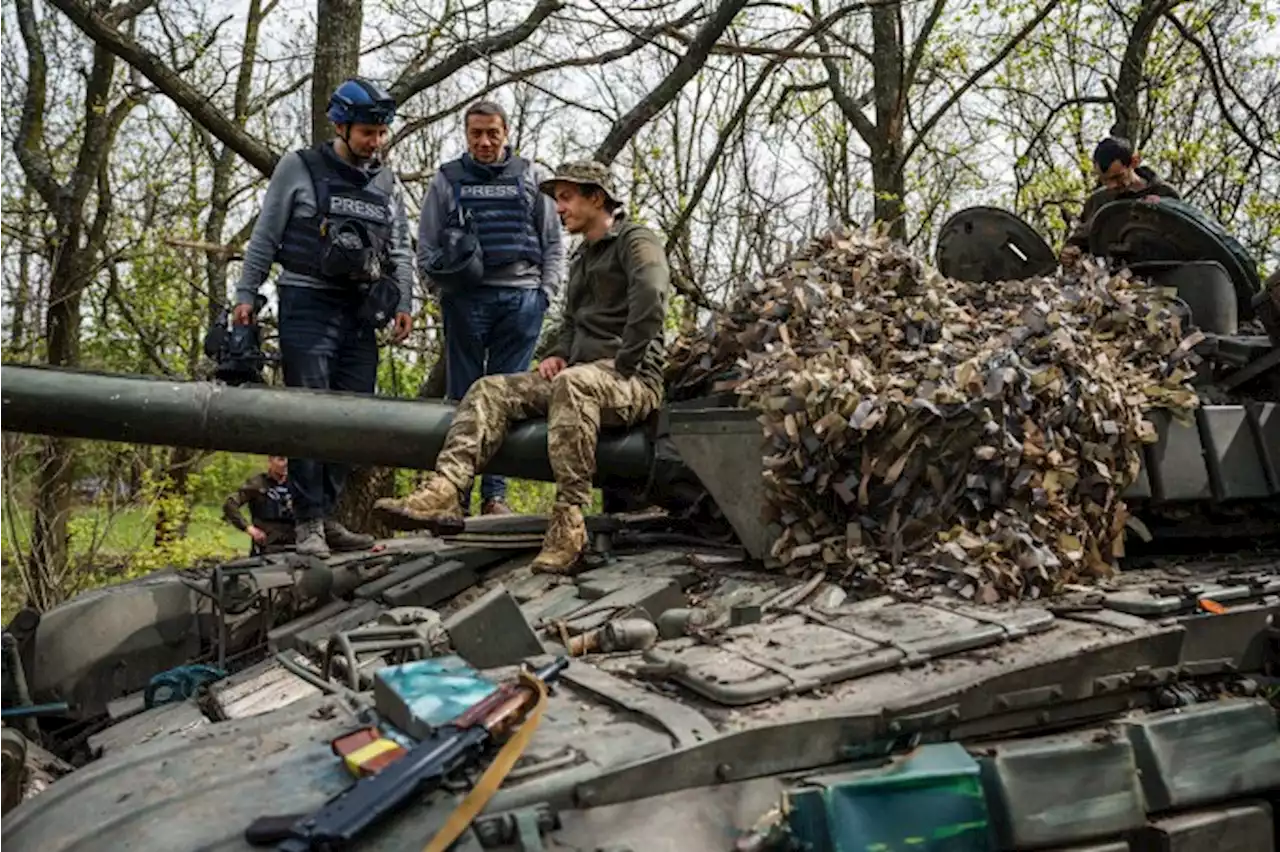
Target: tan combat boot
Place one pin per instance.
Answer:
(565, 540)
(437, 500)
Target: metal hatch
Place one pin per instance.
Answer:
(1133, 231)
(989, 244)
(806, 649)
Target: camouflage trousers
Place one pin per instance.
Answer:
(576, 403)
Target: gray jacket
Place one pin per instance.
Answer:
(439, 203)
(290, 191)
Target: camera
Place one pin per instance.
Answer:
(236, 350)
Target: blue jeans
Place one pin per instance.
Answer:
(489, 331)
(323, 347)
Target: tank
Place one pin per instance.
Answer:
(710, 703)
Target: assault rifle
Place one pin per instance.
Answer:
(462, 743)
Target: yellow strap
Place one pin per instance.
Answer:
(494, 775)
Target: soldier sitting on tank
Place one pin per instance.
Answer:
(334, 218)
(605, 369)
(270, 508)
(1122, 176)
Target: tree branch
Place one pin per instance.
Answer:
(1216, 83)
(127, 11)
(788, 91)
(29, 146)
(1132, 66)
(148, 347)
(97, 125)
(409, 85)
(756, 49)
(1013, 42)
(1053, 113)
(850, 107)
(186, 96)
(675, 232)
(917, 50)
(641, 39)
(626, 127)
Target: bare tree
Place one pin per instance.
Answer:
(76, 250)
(896, 68)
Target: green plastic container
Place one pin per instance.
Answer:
(930, 800)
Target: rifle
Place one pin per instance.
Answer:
(423, 769)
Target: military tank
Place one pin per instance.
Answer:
(709, 703)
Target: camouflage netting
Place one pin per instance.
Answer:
(920, 425)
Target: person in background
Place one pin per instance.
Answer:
(271, 520)
(1121, 175)
(490, 246)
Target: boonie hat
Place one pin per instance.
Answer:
(584, 173)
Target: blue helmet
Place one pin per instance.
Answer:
(358, 101)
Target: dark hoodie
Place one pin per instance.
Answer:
(1105, 195)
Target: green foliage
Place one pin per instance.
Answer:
(117, 543)
(220, 475)
(398, 375)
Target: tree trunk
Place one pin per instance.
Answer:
(173, 496)
(435, 386)
(22, 297)
(364, 486)
(337, 57)
(887, 163)
(50, 544)
(1130, 81)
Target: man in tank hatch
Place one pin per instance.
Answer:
(1121, 175)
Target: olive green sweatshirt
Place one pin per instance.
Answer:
(1104, 196)
(616, 303)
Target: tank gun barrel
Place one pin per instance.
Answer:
(337, 427)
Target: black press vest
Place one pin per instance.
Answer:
(345, 195)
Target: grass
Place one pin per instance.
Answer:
(124, 532)
(118, 543)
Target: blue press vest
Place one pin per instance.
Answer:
(342, 191)
(502, 204)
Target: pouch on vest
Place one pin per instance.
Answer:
(276, 505)
(355, 224)
(459, 261)
(349, 251)
(380, 301)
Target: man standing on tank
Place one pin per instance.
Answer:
(605, 369)
(334, 218)
(493, 307)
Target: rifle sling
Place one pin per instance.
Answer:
(493, 777)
